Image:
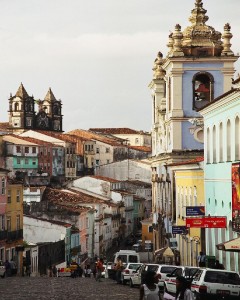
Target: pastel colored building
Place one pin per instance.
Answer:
(198, 67)
(222, 154)
(189, 187)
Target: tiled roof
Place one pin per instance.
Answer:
(188, 162)
(39, 142)
(115, 130)
(17, 140)
(141, 148)
(108, 179)
(4, 126)
(72, 200)
(56, 135)
(67, 225)
(94, 136)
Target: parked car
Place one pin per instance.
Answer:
(162, 270)
(170, 281)
(129, 271)
(215, 284)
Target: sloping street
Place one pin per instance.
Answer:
(19, 288)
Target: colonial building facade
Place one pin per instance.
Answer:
(198, 67)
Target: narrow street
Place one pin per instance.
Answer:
(19, 288)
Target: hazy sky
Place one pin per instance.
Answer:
(96, 55)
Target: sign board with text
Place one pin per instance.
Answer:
(207, 222)
(178, 229)
(192, 211)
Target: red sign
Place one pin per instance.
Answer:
(207, 222)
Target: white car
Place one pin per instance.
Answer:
(215, 284)
(162, 270)
(129, 270)
(170, 280)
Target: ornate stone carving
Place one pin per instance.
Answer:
(227, 35)
(158, 72)
(177, 42)
(200, 39)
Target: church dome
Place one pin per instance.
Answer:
(200, 39)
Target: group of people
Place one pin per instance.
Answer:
(149, 290)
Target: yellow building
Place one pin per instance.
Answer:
(147, 230)
(14, 223)
(189, 191)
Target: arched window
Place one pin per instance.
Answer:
(16, 106)
(203, 92)
(221, 142)
(208, 145)
(214, 145)
(237, 139)
(228, 140)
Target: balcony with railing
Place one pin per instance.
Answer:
(11, 235)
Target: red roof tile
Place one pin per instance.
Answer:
(141, 148)
(188, 162)
(116, 130)
(98, 137)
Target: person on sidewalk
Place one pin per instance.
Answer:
(100, 269)
(183, 289)
(150, 290)
(119, 268)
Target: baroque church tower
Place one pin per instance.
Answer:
(21, 110)
(198, 67)
(22, 115)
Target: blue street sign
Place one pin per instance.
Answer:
(192, 211)
(179, 229)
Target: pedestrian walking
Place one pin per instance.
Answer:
(201, 259)
(150, 290)
(7, 268)
(119, 268)
(183, 289)
(54, 271)
(99, 268)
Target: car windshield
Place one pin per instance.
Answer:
(133, 258)
(189, 272)
(177, 272)
(167, 270)
(151, 268)
(134, 267)
(222, 277)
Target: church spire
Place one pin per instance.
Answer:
(50, 96)
(21, 92)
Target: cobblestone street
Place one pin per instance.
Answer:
(18, 288)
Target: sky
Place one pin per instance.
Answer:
(96, 55)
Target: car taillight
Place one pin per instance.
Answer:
(203, 289)
(126, 271)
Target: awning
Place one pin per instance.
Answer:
(167, 251)
(232, 245)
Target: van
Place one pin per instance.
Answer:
(127, 256)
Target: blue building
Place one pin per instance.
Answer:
(222, 166)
